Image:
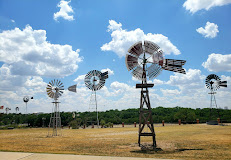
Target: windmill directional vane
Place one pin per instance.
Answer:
(55, 89)
(146, 60)
(95, 80)
(213, 82)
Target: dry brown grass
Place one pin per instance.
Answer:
(177, 142)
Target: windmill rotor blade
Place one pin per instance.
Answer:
(49, 92)
(52, 94)
(131, 62)
(48, 89)
(150, 47)
(154, 70)
(138, 72)
(58, 83)
(72, 88)
(52, 83)
(136, 49)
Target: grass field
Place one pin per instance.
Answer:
(197, 141)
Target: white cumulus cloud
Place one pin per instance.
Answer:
(196, 5)
(210, 30)
(65, 11)
(189, 82)
(218, 63)
(123, 39)
(80, 80)
(169, 92)
(27, 53)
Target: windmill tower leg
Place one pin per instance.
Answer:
(213, 103)
(93, 105)
(55, 120)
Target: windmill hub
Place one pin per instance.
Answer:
(95, 80)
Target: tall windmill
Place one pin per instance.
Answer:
(26, 100)
(55, 90)
(146, 60)
(213, 83)
(95, 80)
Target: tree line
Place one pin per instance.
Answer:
(128, 116)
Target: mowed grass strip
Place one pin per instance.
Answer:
(197, 141)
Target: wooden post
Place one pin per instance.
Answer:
(134, 124)
(162, 122)
(122, 124)
(198, 121)
(179, 121)
(218, 120)
(84, 126)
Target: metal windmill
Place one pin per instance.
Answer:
(146, 60)
(17, 109)
(26, 100)
(7, 110)
(213, 82)
(95, 80)
(55, 90)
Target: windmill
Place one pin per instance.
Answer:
(95, 80)
(55, 90)
(146, 60)
(213, 82)
(16, 109)
(26, 100)
(7, 110)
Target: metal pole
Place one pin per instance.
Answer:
(96, 111)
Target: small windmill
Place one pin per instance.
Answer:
(55, 90)
(213, 82)
(7, 110)
(146, 60)
(26, 100)
(73, 115)
(16, 110)
(95, 80)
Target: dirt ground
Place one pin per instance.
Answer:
(196, 141)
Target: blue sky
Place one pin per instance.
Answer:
(41, 40)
